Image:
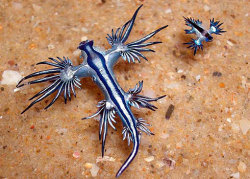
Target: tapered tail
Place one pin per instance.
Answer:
(131, 156)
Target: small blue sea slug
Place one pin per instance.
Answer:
(201, 33)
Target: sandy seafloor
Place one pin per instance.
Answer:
(207, 134)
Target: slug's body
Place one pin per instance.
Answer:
(201, 33)
(99, 66)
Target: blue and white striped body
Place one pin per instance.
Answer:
(102, 75)
(202, 34)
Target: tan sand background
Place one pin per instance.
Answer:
(207, 134)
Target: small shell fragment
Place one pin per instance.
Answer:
(198, 77)
(16, 90)
(206, 8)
(84, 38)
(168, 11)
(76, 154)
(83, 29)
(105, 158)
(149, 159)
(51, 46)
(235, 175)
(88, 165)
(94, 170)
(244, 125)
(230, 43)
(242, 167)
(10, 77)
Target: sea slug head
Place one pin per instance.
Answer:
(84, 44)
